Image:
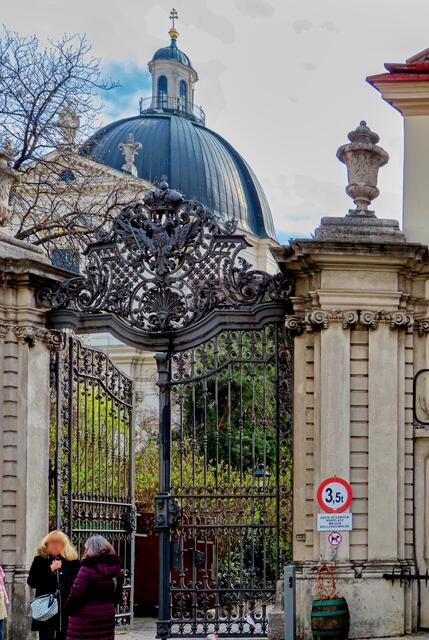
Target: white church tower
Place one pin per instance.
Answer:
(173, 77)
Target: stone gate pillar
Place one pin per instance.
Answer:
(360, 291)
(25, 345)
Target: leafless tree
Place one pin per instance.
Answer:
(50, 102)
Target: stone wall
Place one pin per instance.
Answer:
(360, 313)
(25, 346)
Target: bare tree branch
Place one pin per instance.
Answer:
(62, 199)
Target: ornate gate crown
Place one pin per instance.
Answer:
(166, 265)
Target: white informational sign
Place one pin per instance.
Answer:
(334, 521)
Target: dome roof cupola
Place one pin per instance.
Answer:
(173, 80)
(169, 138)
(172, 52)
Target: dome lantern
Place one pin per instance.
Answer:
(173, 81)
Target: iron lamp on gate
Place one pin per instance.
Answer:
(262, 476)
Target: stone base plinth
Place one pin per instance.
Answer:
(379, 608)
(276, 624)
(359, 227)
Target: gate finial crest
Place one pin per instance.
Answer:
(165, 264)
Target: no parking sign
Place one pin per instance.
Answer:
(335, 538)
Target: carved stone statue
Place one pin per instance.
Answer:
(8, 177)
(363, 159)
(130, 149)
(68, 123)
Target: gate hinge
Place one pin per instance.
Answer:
(167, 511)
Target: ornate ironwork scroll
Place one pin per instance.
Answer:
(231, 483)
(92, 455)
(163, 267)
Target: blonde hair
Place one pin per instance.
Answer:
(68, 552)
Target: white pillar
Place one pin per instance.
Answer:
(24, 402)
(416, 184)
(335, 415)
(383, 445)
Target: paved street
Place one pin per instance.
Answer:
(142, 629)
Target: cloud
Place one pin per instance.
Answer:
(283, 236)
(298, 202)
(301, 25)
(134, 82)
(215, 24)
(255, 8)
(214, 100)
(330, 26)
(308, 66)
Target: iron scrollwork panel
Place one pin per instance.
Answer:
(164, 266)
(232, 479)
(92, 446)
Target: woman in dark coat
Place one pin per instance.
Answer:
(55, 566)
(96, 591)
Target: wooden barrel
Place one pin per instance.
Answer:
(330, 619)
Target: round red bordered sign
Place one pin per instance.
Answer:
(334, 495)
(335, 538)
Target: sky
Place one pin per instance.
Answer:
(282, 80)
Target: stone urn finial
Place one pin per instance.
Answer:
(8, 177)
(363, 159)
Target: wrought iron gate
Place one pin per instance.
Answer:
(170, 277)
(229, 483)
(92, 458)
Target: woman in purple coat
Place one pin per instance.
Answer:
(95, 592)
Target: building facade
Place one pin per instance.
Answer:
(360, 325)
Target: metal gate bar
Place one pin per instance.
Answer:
(92, 449)
(224, 509)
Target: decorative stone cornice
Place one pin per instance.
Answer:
(398, 319)
(422, 326)
(369, 319)
(139, 396)
(318, 319)
(295, 324)
(54, 339)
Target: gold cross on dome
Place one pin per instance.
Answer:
(173, 16)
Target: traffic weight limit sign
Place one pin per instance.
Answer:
(334, 495)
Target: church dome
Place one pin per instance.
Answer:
(172, 52)
(169, 138)
(195, 160)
